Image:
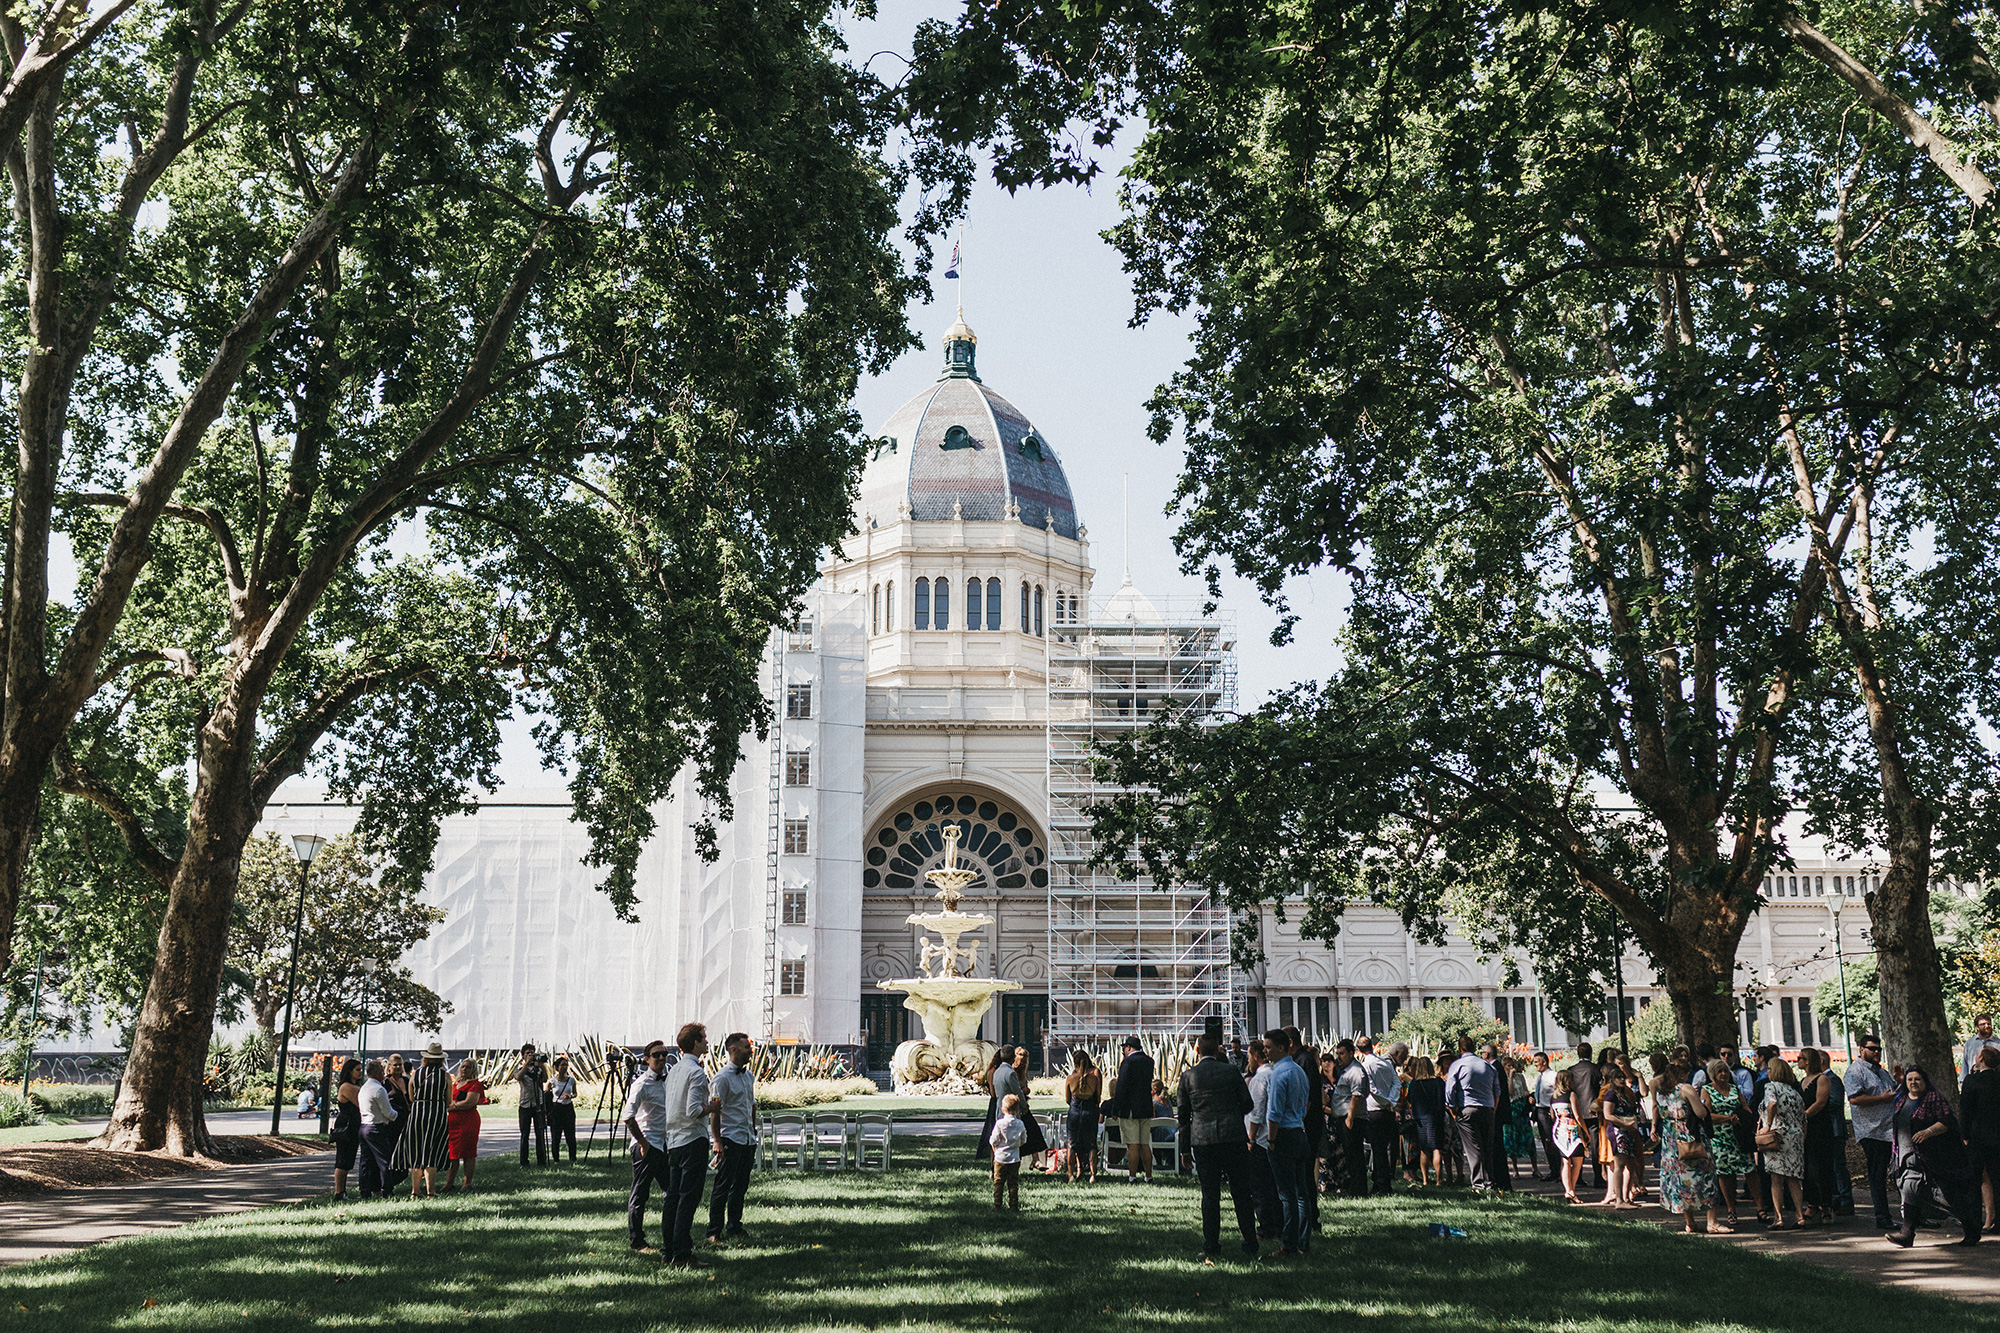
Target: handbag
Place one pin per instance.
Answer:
(1768, 1139)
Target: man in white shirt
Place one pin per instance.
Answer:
(689, 1108)
(646, 1121)
(1269, 1222)
(733, 1135)
(1871, 1096)
(1544, 1093)
(1982, 1039)
(1385, 1089)
(378, 1133)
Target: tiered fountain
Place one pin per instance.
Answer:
(950, 1057)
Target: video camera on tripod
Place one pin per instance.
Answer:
(621, 1065)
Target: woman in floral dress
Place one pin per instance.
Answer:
(1729, 1123)
(1687, 1167)
(1784, 1114)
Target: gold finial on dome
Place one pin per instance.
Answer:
(960, 349)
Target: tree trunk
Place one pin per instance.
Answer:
(1697, 976)
(20, 814)
(159, 1104)
(1908, 980)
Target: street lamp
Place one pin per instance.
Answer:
(305, 846)
(47, 912)
(368, 966)
(1833, 906)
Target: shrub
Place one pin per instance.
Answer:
(782, 1094)
(1436, 1025)
(16, 1111)
(71, 1101)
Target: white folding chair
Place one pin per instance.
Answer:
(783, 1142)
(1113, 1147)
(1165, 1134)
(874, 1132)
(829, 1134)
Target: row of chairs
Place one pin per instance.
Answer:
(1164, 1133)
(826, 1141)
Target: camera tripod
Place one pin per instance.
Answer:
(611, 1097)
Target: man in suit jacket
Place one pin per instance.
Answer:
(1131, 1105)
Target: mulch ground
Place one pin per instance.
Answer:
(35, 1168)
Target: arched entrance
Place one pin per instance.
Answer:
(1009, 850)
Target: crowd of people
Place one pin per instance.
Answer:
(1284, 1126)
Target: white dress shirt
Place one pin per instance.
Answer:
(375, 1106)
(1384, 1088)
(1545, 1089)
(737, 1087)
(687, 1103)
(1260, 1104)
(646, 1103)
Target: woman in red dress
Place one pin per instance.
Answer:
(468, 1094)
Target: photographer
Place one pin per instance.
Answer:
(646, 1122)
(531, 1076)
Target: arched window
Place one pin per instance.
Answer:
(1038, 610)
(889, 607)
(923, 620)
(875, 612)
(1024, 606)
(941, 613)
(993, 605)
(972, 589)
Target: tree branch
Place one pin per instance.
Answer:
(74, 779)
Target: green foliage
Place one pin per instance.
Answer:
(1653, 1032)
(17, 1111)
(1864, 999)
(353, 912)
(1437, 1025)
(71, 1101)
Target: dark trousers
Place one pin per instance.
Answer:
(532, 1117)
(1877, 1153)
(732, 1182)
(1822, 1163)
(1291, 1170)
(378, 1145)
(1498, 1164)
(1475, 1136)
(562, 1125)
(1213, 1163)
(1381, 1134)
(648, 1169)
(1545, 1130)
(1843, 1183)
(1590, 1141)
(1916, 1187)
(687, 1172)
(1353, 1156)
(1270, 1221)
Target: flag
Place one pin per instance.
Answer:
(952, 271)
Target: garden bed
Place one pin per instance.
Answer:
(33, 1168)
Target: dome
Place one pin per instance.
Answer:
(958, 449)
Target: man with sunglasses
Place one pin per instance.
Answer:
(1870, 1092)
(646, 1122)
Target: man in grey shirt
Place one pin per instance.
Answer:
(733, 1131)
(1384, 1091)
(1871, 1095)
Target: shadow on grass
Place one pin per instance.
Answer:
(921, 1248)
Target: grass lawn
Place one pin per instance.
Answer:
(920, 1248)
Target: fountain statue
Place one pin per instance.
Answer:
(950, 1057)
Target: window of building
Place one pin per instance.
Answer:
(1024, 607)
(1788, 1016)
(1038, 610)
(941, 610)
(1372, 1014)
(1522, 1015)
(973, 588)
(923, 611)
(798, 837)
(792, 977)
(798, 768)
(800, 640)
(889, 607)
(875, 611)
(799, 700)
(795, 907)
(993, 605)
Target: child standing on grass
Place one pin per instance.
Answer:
(1006, 1138)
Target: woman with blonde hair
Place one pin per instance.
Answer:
(468, 1094)
(1084, 1091)
(1426, 1094)
(1567, 1131)
(1781, 1141)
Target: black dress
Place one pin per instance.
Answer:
(1084, 1113)
(1006, 1080)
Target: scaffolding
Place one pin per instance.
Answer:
(774, 832)
(1127, 956)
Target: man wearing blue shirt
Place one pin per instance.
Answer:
(1291, 1152)
(1472, 1090)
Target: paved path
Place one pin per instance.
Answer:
(63, 1221)
(1936, 1263)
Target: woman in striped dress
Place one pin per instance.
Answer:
(423, 1148)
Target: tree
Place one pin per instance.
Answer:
(1653, 1032)
(1613, 353)
(540, 399)
(353, 911)
(1436, 1026)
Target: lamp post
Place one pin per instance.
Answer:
(1618, 962)
(47, 912)
(305, 846)
(368, 966)
(1833, 906)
